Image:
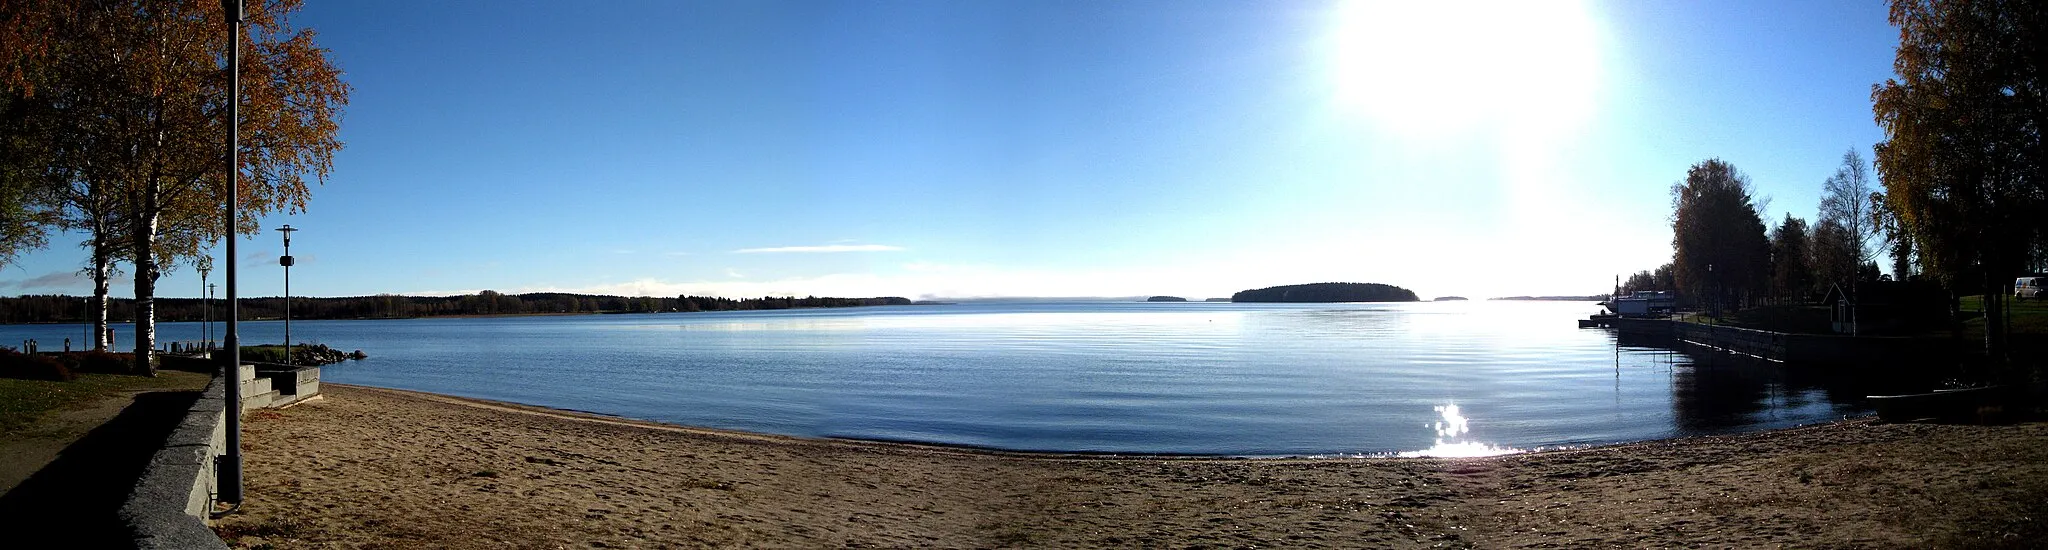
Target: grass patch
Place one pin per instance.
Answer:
(303, 353)
(2028, 316)
(263, 354)
(22, 402)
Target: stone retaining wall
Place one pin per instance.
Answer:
(172, 500)
(1761, 344)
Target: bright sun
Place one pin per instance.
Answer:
(1445, 67)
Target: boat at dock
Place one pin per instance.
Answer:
(1642, 303)
(1937, 405)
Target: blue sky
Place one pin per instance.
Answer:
(962, 149)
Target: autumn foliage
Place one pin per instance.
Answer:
(126, 102)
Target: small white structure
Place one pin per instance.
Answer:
(1643, 303)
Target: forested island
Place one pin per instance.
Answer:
(72, 309)
(1327, 292)
(1166, 299)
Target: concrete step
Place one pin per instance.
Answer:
(258, 400)
(256, 386)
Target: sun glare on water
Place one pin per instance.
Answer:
(1437, 67)
(1449, 429)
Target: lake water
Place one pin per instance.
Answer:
(1200, 378)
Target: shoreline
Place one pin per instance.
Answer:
(577, 414)
(381, 467)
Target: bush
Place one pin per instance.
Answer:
(98, 362)
(14, 364)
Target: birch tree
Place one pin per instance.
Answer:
(139, 92)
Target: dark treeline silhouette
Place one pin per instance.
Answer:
(1585, 298)
(73, 309)
(1327, 292)
(1664, 278)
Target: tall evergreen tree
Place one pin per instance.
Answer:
(1720, 250)
(1791, 265)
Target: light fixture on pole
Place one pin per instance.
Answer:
(286, 261)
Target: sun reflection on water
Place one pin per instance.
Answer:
(1448, 432)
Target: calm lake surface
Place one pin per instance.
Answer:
(1204, 378)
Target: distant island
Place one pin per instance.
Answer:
(1450, 298)
(1592, 298)
(1217, 300)
(1328, 292)
(1166, 299)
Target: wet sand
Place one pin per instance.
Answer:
(377, 468)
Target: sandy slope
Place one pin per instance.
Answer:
(383, 468)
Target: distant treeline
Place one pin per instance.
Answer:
(72, 309)
(1327, 292)
(1586, 298)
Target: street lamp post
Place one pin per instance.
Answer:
(1715, 306)
(230, 469)
(209, 316)
(286, 261)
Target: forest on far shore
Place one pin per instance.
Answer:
(54, 308)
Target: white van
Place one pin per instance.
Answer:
(2028, 287)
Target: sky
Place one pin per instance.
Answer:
(940, 149)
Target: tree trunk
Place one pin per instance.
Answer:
(102, 271)
(146, 274)
(1994, 318)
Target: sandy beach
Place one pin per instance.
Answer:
(377, 468)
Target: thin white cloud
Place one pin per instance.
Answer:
(823, 248)
(57, 279)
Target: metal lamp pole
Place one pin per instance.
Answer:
(286, 261)
(1716, 308)
(209, 315)
(230, 470)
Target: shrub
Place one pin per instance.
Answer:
(99, 362)
(25, 366)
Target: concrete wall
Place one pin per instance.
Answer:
(173, 498)
(1756, 343)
